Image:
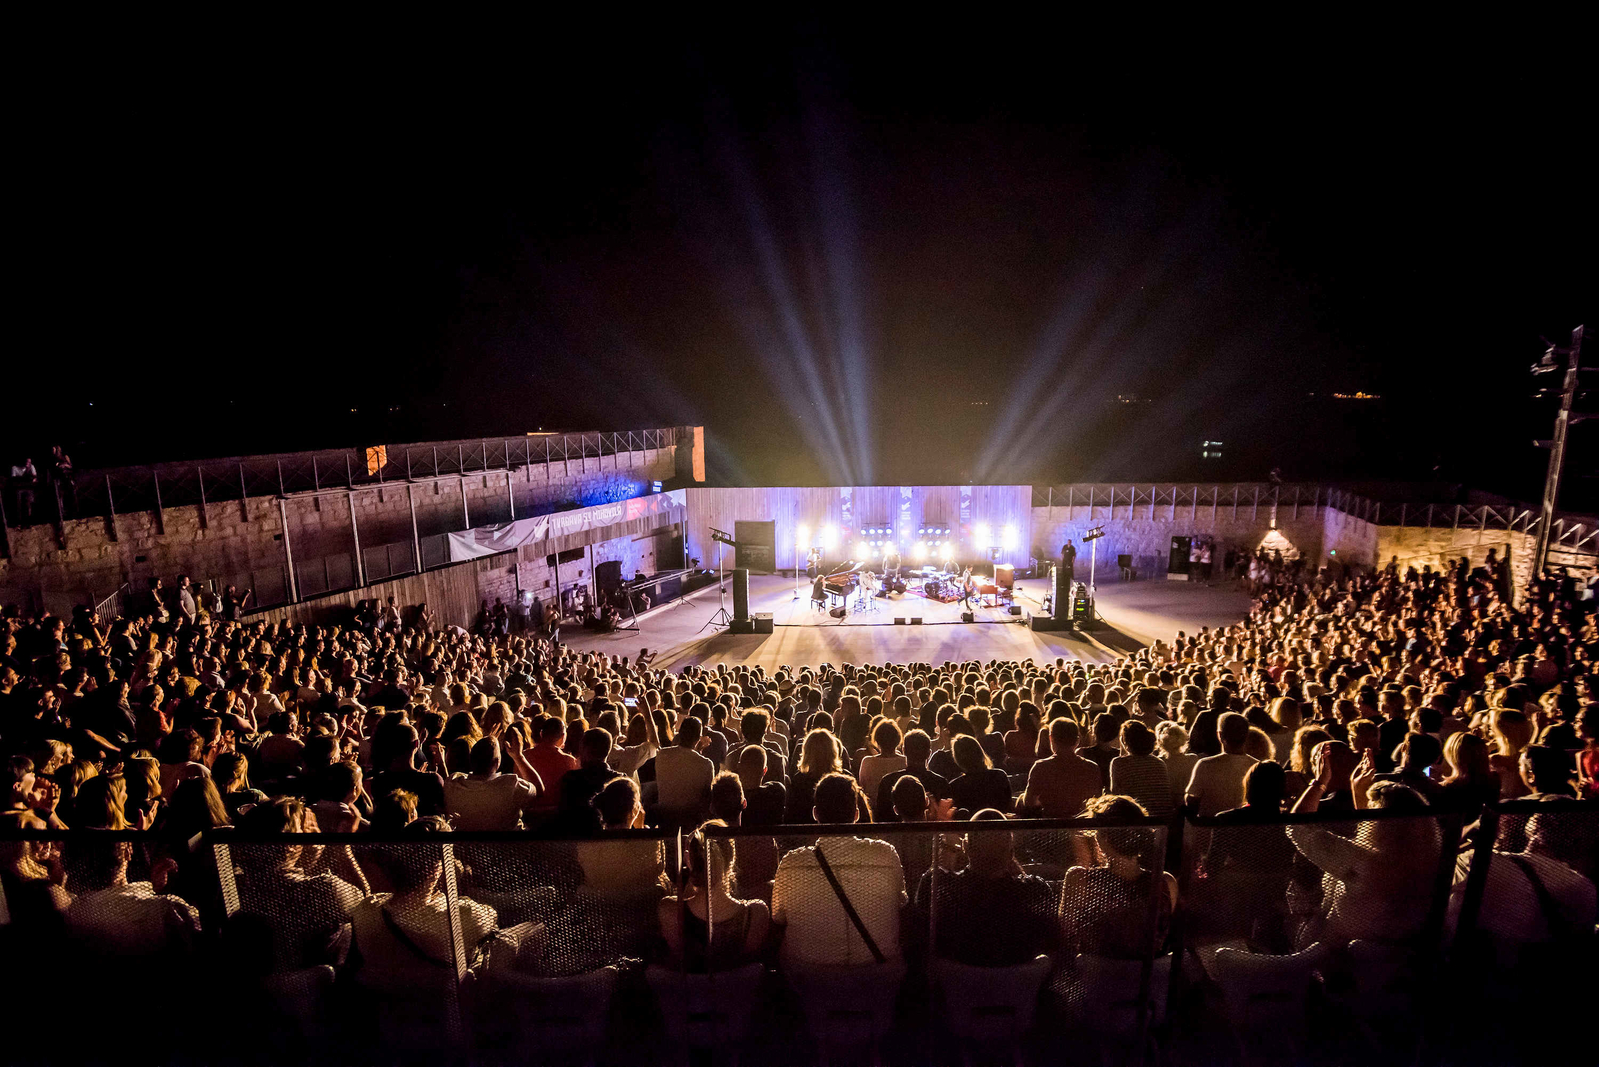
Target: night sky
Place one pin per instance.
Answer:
(1022, 254)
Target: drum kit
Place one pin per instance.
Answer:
(942, 586)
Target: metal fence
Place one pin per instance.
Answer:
(1320, 938)
(122, 490)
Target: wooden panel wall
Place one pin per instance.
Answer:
(876, 505)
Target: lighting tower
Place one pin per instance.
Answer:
(1557, 445)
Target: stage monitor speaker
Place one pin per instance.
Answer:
(899, 620)
(741, 593)
(763, 622)
(1015, 609)
(916, 620)
(838, 613)
(968, 616)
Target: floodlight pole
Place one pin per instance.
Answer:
(1557, 446)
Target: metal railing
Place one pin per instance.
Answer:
(206, 483)
(1573, 534)
(1074, 956)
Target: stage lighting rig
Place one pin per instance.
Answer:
(1094, 534)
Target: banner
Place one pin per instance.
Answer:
(508, 536)
(966, 505)
(846, 496)
(906, 531)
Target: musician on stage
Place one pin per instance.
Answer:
(813, 563)
(1068, 563)
(819, 590)
(968, 587)
(891, 560)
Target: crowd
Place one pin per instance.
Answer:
(1414, 692)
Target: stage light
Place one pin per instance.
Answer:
(921, 550)
(802, 536)
(980, 536)
(829, 536)
(949, 552)
(1010, 538)
(861, 551)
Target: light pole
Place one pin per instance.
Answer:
(1557, 445)
(800, 534)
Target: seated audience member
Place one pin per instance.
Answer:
(1061, 785)
(305, 908)
(918, 748)
(395, 749)
(404, 936)
(989, 912)
(1139, 773)
(1415, 757)
(116, 916)
(818, 931)
(766, 800)
(549, 762)
(981, 784)
(1120, 906)
(487, 799)
(885, 760)
(579, 788)
(820, 755)
(683, 776)
(1105, 727)
(1218, 781)
(1172, 741)
(1377, 884)
(705, 927)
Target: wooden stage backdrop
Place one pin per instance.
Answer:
(852, 508)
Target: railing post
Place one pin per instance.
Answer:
(288, 552)
(160, 512)
(510, 492)
(466, 513)
(281, 490)
(435, 461)
(110, 513)
(407, 462)
(355, 535)
(316, 475)
(349, 475)
(199, 476)
(416, 541)
(244, 499)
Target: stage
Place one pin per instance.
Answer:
(1135, 613)
(786, 610)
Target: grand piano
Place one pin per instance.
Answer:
(839, 582)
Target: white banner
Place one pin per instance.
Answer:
(507, 536)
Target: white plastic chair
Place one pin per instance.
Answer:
(990, 1006)
(1267, 997)
(708, 1010)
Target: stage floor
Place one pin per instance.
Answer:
(789, 610)
(1136, 613)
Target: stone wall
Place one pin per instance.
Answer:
(242, 543)
(1144, 532)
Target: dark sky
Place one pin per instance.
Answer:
(1020, 254)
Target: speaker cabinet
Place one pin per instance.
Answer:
(741, 593)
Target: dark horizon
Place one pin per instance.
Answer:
(865, 260)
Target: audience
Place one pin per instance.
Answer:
(1416, 693)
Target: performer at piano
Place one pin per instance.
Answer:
(819, 591)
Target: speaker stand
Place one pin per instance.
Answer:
(722, 616)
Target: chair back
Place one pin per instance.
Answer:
(1111, 987)
(562, 1016)
(1267, 996)
(848, 1006)
(707, 1010)
(990, 1004)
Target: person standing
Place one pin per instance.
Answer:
(24, 477)
(1068, 563)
